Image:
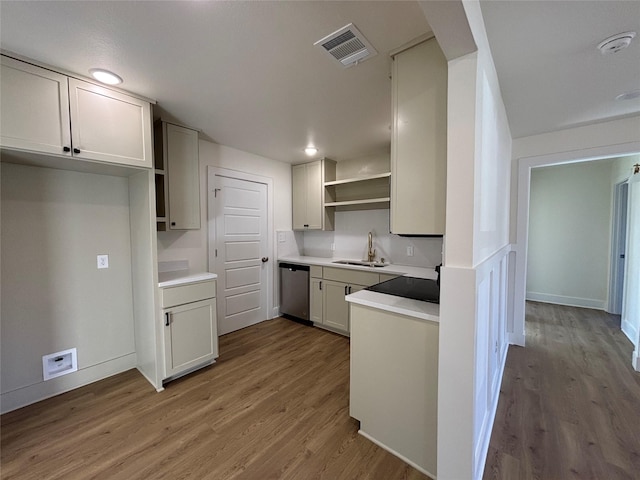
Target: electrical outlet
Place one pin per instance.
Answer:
(281, 237)
(103, 261)
(410, 251)
(333, 247)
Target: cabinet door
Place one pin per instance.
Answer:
(299, 196)
(181, 150)
(419, 140)
(191, 338)
(35, 108)
(315, 297)
(109, 126)
(315, 187)
(335, 307)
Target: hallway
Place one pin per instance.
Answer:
(570, 401)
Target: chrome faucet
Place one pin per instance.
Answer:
(371, 253)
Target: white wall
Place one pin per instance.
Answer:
(569, 234)
(474, 295)
(54, 224)
(350, 240)
(191, 245)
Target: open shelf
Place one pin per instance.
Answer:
(371, 192)
(357, 202)
(358, 179)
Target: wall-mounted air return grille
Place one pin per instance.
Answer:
(347, 46)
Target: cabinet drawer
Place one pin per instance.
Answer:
(351, 276)
(316, 271)
(182, 294)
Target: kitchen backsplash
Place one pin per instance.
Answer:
(350, 241)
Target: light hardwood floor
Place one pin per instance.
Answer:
(275, 406)
(569, 406)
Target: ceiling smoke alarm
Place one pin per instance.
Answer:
(616, 43)
(347, 46)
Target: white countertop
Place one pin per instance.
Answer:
(393, 269)
(391, 303)
(186, 279)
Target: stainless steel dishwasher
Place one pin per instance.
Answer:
(294, 291)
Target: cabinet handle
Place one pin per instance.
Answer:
(346, 287)
(167, 319)
(76, 150)
(66, 149)
(173, 224)
(320, 286)
(306, 225)
(265, 259)
(349, 289)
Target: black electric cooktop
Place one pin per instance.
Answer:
(423, 289)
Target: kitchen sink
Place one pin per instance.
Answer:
(361, 263)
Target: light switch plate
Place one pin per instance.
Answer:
(281, 237)
(103, 261)
(410, 251)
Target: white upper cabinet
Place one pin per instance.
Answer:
(308, 195)
(419, 140)
(50, 113)
(35, 108)
(109, 126)
(177, 173)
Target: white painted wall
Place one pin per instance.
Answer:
(474, 296)
(350, 240)
(191, 245)
(54, 224)
(569, 234)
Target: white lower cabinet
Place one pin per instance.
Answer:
(335, 307)
(190, 336)
(315, 300)
(396, 401)
(327, 296)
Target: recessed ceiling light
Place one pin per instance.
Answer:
(616, 42)
(105, 76)
(632, 95)
(311, 151)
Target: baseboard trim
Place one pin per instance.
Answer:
(40, 391)
(630, 331)
(393, 452)
(635, 360)
(568, 301)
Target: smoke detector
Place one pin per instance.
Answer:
(347, 46)
(616, 43)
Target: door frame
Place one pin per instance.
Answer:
(616, 284)
(520, 248)
(213, 172)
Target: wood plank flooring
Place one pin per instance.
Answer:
(275, 406)
(569, 405)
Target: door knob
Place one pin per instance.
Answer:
(265, 259)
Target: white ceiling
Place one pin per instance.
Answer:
(551, 74)
(247, 75)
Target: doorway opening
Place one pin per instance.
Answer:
(525, 166)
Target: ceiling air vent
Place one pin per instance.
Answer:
(347, 46)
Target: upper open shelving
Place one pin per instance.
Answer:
(372, 190)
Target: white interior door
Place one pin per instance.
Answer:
(241, 252)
